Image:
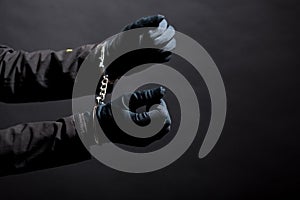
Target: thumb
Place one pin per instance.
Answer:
(149, 21)
(159, 112)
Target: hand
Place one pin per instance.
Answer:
(128, 113)
(162, 36)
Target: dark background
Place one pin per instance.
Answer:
(255, 44)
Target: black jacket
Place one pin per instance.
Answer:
(39, 76)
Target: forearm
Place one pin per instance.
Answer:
(41, 75)
(39, 145)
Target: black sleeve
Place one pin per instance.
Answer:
(41, 75)
(40, 145)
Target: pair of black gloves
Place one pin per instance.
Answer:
(161, 35)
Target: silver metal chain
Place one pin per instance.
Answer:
(101, 96)
(103, 88)
(104, 83)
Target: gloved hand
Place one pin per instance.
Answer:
(162, 36)
(137, 99)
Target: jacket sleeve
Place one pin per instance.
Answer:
(41, 75)
(40, 145)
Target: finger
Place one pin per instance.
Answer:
(170, 45)
(160, 112)
(146, 97)
(163, 112)
(163, 25)
(141, 119)
(166, 36)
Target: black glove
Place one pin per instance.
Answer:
(137, 99)
(162, 37)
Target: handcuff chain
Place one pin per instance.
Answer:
(101, 97)
(103, 88)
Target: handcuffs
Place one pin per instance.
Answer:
(104, 83)
(99, 98)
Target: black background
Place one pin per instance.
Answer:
(256, 47)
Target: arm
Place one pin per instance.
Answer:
(49, 75)
(39, 145)
(40, 75)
